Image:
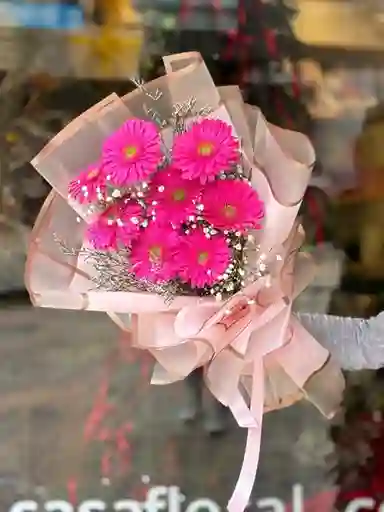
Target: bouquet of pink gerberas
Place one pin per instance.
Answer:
(174, 210)
(182, 214)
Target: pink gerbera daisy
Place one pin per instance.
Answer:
(205, 150)
(132, 153)
(233, 205)
(202, 260)
(153, 254)
(89, 186)
(117, 226)
(173, 198)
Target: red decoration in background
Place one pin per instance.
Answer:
(270, 39)
(216, 4)
(103, 424)
(241, 45)
(184, 10)
(72, 491)
(102, 427)
(241, 14)
(317, 216)
(368, 475)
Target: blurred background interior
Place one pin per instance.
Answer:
(311, 65)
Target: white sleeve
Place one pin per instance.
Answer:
(355, 343)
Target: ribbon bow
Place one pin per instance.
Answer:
(239, 343)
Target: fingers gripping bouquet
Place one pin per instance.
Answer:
(174, 211)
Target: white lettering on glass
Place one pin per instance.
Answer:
(92, 506)
(298, 498)
(58, 506)
(175, 498)
(156, 499)
(24, 506)
(272, 504)
(360, 504)
(127, 506)
(171, 499)
(203, 504)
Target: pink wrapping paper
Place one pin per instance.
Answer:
(256, 355)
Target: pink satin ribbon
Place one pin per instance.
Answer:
(231, 341)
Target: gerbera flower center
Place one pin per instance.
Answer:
(205, 148)
(130, 151)
(203, 257)
(179, 194)
(93, 173)
(229, 211)
(155, 253)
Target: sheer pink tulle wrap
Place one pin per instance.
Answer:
(256, 355)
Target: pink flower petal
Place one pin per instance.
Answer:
(202, 260)
(153, 254)
(205, 150)
(89, 186)
(117, 226)
(172, 198)
(233, 205)
(132, 153)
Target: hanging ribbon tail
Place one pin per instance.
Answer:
(242, 493)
